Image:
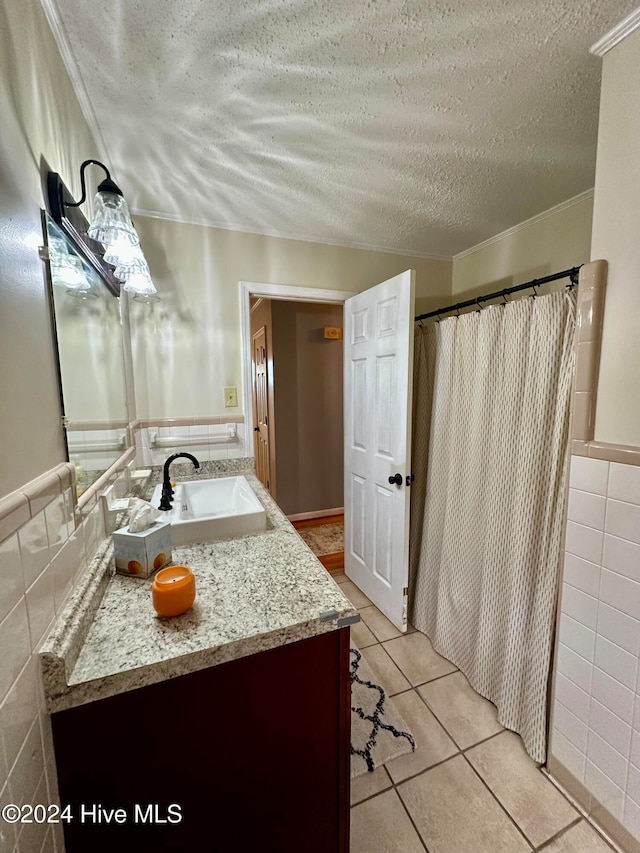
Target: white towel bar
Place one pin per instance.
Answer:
(98, 446)
(156, 440)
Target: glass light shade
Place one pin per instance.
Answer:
(122, 253)
(86, 292)
(67, 270)
(143, 289)
(136, 266)
(138, 283)
(146, 298)
(111, 220)
(139, 280)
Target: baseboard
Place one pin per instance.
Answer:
(318, 513)
(617, 835)
(333, 562)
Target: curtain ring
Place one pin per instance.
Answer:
(479, 308)
(505, 301)
(535, 291)
(438, 313)
(457, 311)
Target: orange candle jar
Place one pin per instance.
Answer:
(173, 590)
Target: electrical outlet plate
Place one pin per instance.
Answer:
(230, 398)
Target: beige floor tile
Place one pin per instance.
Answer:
(432, 742)
(385, 670)
(379, 624)
(355, 595)
(581, 838)
(339, 577)
(362, 636)
(466, 716)
(381, 825)
(455, 813)
(533, 802)
(417, 659)
(369, 784)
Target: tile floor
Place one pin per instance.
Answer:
(470, 787)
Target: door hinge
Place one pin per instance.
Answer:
(410, 478)
(65, 421)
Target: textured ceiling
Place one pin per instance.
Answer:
(422, 127)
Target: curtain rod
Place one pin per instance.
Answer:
(570, 273)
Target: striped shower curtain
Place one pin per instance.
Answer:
(494, 386)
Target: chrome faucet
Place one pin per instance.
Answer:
(167, 491)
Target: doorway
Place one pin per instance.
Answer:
(296, 396)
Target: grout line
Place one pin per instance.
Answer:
(578, 807)
(404, 806)
(511, 819)
(388, 690)
(558, 835)
(439, 721)
(484, 740)
(426, 769)
(389, 787)
(440, 677)
(461, 751)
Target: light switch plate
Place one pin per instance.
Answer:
(230, 398)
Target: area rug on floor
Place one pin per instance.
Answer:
(325, 538)
(378, 732)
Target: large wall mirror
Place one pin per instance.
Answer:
(88, 327)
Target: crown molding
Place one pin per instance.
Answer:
(271, 232)
(526, 224)
(617, 34)
(61, 38)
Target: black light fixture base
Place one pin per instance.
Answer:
(67, 214)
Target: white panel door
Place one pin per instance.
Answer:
(378, 365)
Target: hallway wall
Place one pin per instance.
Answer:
(308, 407)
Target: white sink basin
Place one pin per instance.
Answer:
(212, 509)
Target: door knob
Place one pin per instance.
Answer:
(396, 479)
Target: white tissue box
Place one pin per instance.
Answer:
(141, 554)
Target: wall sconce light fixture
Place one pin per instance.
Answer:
(109, 243)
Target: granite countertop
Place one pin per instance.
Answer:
(254, 593)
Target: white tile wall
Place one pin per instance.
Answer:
(203, 440)
(39, 565)
(595, 723)
(582, 574)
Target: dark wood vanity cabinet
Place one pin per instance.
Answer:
(255, 753)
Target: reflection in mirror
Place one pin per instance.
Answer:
(88, 327)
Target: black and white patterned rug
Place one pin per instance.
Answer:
(378, 732)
